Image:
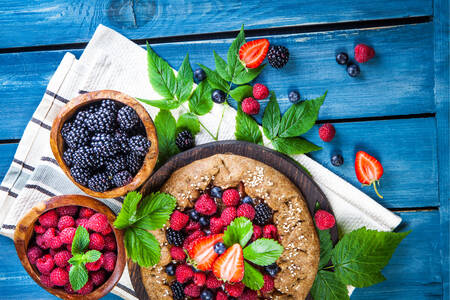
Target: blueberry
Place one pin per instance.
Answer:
(216, 192)
(194, 215)
(170, 269)
(207, 231)
(248, 200)
(199, 75)
(294, 96)
(342, 58)
(207, 295)
(353, 70)
(218, 96)
(272, 269)
(220, 248)
(204, 221)
(337, 160)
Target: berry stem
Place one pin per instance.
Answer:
(376, 190)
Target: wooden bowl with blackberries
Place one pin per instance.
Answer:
(105, 142)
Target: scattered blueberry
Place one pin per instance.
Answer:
(194, 215)
(220, 248)
(248, 200)
(204, 221)
(337, 160)
(207, 295)
(170, 269)
(353, 70)
(342, 58)
(207, 231)
(199, 75)
(272, 269)
(294, 96)
(218, 96)
(216, 192)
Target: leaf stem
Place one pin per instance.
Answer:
(376, 190)
(201, 124)
(329, 267)
(220, 123)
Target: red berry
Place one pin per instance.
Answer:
(257, 232)
(98, 222)
(205, 205)
(231, 197)
(253, 53)
(86, 213)
(67, 234)
(248, 295)
(65, 221)
(67, 210)
(234, 290)
(221, 296)
(246, 210)
(228, 215)
(184, 273)
(270, 232)
(327, 132)
(40, 242)
(48, 236)
(45, 280)
(45, 264)
(363, 53)
(250, 106)
(216, 225)
(324, 220)
(96, 265)
(192, 226)
(59, 277)
(98, 277)
(192, 290)
(87, 288)
(200, 278)
(268, 284)
(96, 241)
(68, 289)
(33, 254)
(49, 219)
(109, 261)
(260, 91)
(55, 242)
(69, 247)
(39, 229)
(62, 258)
(107, 231)
(177, 253)
(82, 222)
(212, 282)
(110, 243)
(191, 238)
(178, 220)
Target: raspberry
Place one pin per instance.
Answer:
(205, 205)
(194, 236)
(71, 210)
(184, 273)
(248, 295)
(221, 296)
(69, 247)
(228, 215)
(48, 236)
(41, 242)
(55, 242)
(86, 212)
(234, 290)
(192, 290)
(68, 289)
(178, 220)
(82, 222)
(59, 277)
(49, 219)
(65, 221)
(67, 234)
(216, 225)
(175, 238)
(270, 232)
(278, 56)
(263, 213)
(260, 91)
(87, 288)
(363, 53)
(327, 132)
(200, 278)
(193, 226)
(324, 220)
(250, 106)
(212, 282)
(246, 210)
(98, 277)
(61, 258)
(127, 118)
(45, 264)
(98, 222)
(33, 254)
(96, 265)
(177, 253)
(139, 144)
(231, 197)
(107, 231)
(268, 284)
(100, 182)
(185, 140)
(122, 178)
(109, 261)
(96, 241)
(39, 229)
(45, 280)
(110, 243)
(257, 232)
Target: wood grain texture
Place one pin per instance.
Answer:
(6, 156)
(27, 23)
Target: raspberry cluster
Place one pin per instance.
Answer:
(50, 247)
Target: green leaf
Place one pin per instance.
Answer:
(127, 215)
(271, 119)
(91, 256)
(166, 104)
(185, 80)
(328, 287)
(78, 276)
(361, 254)
(300, 118)
(233, 53)
(161, 75)
(243, 75)
(142, 247)
(326, 246)
(76, 259)
(165, 128)
(246, 128)
(214, 79)
(294, 145)
(239, 231)
(188, 121)
(221, 67)
(263, 252)
(253, 279)
(241, 92)
(200, 102)
(155, 210)
(80, 240)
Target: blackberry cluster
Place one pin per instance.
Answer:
(185, 140)
(174, 237)
(278, 56)
(105, 145)
(263, 214)
(177, 290)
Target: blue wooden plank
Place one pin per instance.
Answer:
(28, 23)
(6, 156)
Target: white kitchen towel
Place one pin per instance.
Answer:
(111, 61)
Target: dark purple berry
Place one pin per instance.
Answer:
(342, 58)
(122, 178)
(139, 144)
(185, 140)
(99, 182)
(127, 118)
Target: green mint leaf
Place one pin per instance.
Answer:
(188, 121)
(161, 75)
(80, 240)
(294, 145)
(246, 128)
(76, 259)
(185, 80)
(243, 75)
(214, 80)
(142, 247)
(263, 252)
(361, 254)
(200, 102)
(239, 231)
(241, 92)
(127, 215)
(328, 287)
(326, 246)
(271, 119)
(78, 276)
(234, 65)
(166, 104)
(221, 67)
(253, 279)
(155, 210)
(300, 118)
(91, 256)
(166, 128)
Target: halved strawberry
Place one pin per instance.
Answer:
(252, 53)
(368, 170)
(202, 252)
(230, 265)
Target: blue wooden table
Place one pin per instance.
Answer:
(398, 110)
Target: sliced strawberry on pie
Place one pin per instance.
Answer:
(368, 170)
(202, 252)
(252, 53)
(230, 265)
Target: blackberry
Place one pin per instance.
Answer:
(100, 182)
(139, 129)
(263, 214)
(66, 129)
(104, 144)
(177, 290)
(199, 75)
(110, 105)
(337, 160)
(294, 97)
(134, 162)
(353, 70)
(139, 144)
(68, 157)
(103, 120)
(278, 56)
(116, 164)
(80, 175)
(122, 178)
(77, 137)
(127, 118)
(272, 269)
(185, 140)
(218, 96)
(175, 238)
(81, 117)
(170, 269)
(342, 58)
(122, 141)
(216, 192)
(85, 157)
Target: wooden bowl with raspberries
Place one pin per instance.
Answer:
(69, 246)
(105, 142)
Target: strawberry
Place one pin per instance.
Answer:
(230, 265)
(252, 53)
(368, 170)
(202, 251)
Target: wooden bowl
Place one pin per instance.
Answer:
(74, 105)
(24, 233)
